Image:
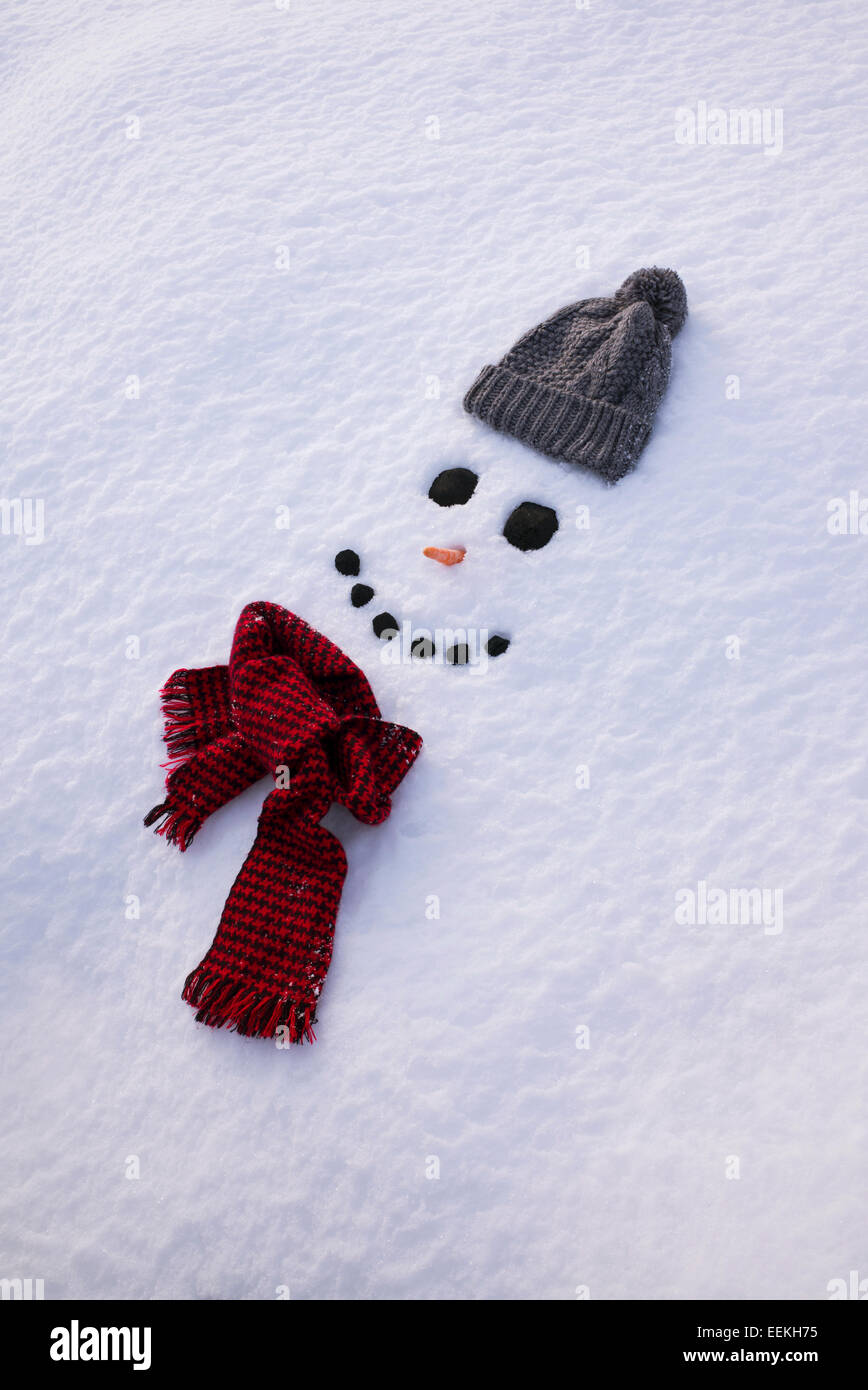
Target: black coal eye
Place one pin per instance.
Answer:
(530, 526)
(453, 487)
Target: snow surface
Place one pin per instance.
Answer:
(431, 173)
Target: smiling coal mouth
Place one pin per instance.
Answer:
(456, 646)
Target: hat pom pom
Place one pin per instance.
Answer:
(662, 289)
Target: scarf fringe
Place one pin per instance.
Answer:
(178, 826)
(232, 1004)
(182, 733)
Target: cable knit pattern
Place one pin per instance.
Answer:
(584, 386)
(292, 704)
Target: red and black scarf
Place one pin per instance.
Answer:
(292, 704)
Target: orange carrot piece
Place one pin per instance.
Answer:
(447, 555)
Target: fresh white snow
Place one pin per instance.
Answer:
(245, 245)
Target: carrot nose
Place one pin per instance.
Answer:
(447, 555)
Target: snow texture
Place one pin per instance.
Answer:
(253, 256)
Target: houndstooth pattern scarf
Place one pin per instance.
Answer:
(292, 704)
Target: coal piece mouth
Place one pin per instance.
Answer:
(386, 627)
(423, 646)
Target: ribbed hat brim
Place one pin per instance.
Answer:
(571, 428)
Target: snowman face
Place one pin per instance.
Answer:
(529, 526)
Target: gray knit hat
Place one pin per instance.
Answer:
(584, 386)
